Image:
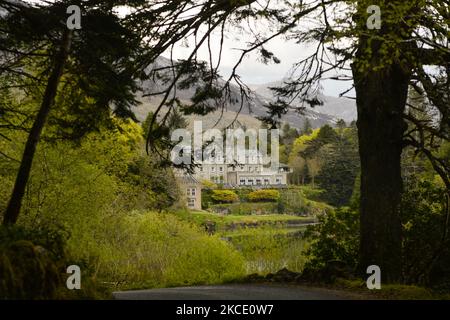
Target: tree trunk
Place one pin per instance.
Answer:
(381, 99)
(15, 202)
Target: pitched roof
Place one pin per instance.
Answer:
(188, 179)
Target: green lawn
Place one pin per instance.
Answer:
(281, 220)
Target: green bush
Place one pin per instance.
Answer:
(292, 201)
(31, 263)
(311, 193)
(224, 196)
(160, 250)
(88, 190)
(334, 239)
(243, 193)
(150, 187)
(207, 198)
(426, 252)
(264, 195)
(314, 208)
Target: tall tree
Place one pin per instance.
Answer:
(384, 62)
(15, 203)
(340, 168)
(307, 127)
(41, 52)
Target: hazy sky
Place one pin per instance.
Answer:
(251, 70)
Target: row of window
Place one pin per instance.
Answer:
(220, 169)
(257, 182)
(238, 158)
(191, 202)
(190, 192)
(217, 179)
(213, 169)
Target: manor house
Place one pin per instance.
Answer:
(248, 172)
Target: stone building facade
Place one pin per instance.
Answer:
(191, 191)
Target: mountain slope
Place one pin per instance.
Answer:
(253, 109)
(339, 108)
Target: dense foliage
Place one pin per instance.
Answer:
(85, 191)
(264, 195)
(336, 238)
(425, 221)
(328, 159)
(224, 196)
(31, 263)
(77, 170)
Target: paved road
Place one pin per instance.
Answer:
(235, 292)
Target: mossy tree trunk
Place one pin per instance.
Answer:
(381, 99)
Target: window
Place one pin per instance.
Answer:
(188, 191)
(193, 191)
(266, 181)
(278, 181)
(221, 169)
(213, 169)
(250, 181)
(258, 182)
(191, 203)
(242, 182)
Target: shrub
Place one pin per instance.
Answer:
(292, 201)
(208, 185)
(426, 252)
(312, 193)
(224, 196)
(314, 208)
(243, 193)
(264, 196)
(31, 263)
(160, 250)
(207, 199)
(334, 239)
